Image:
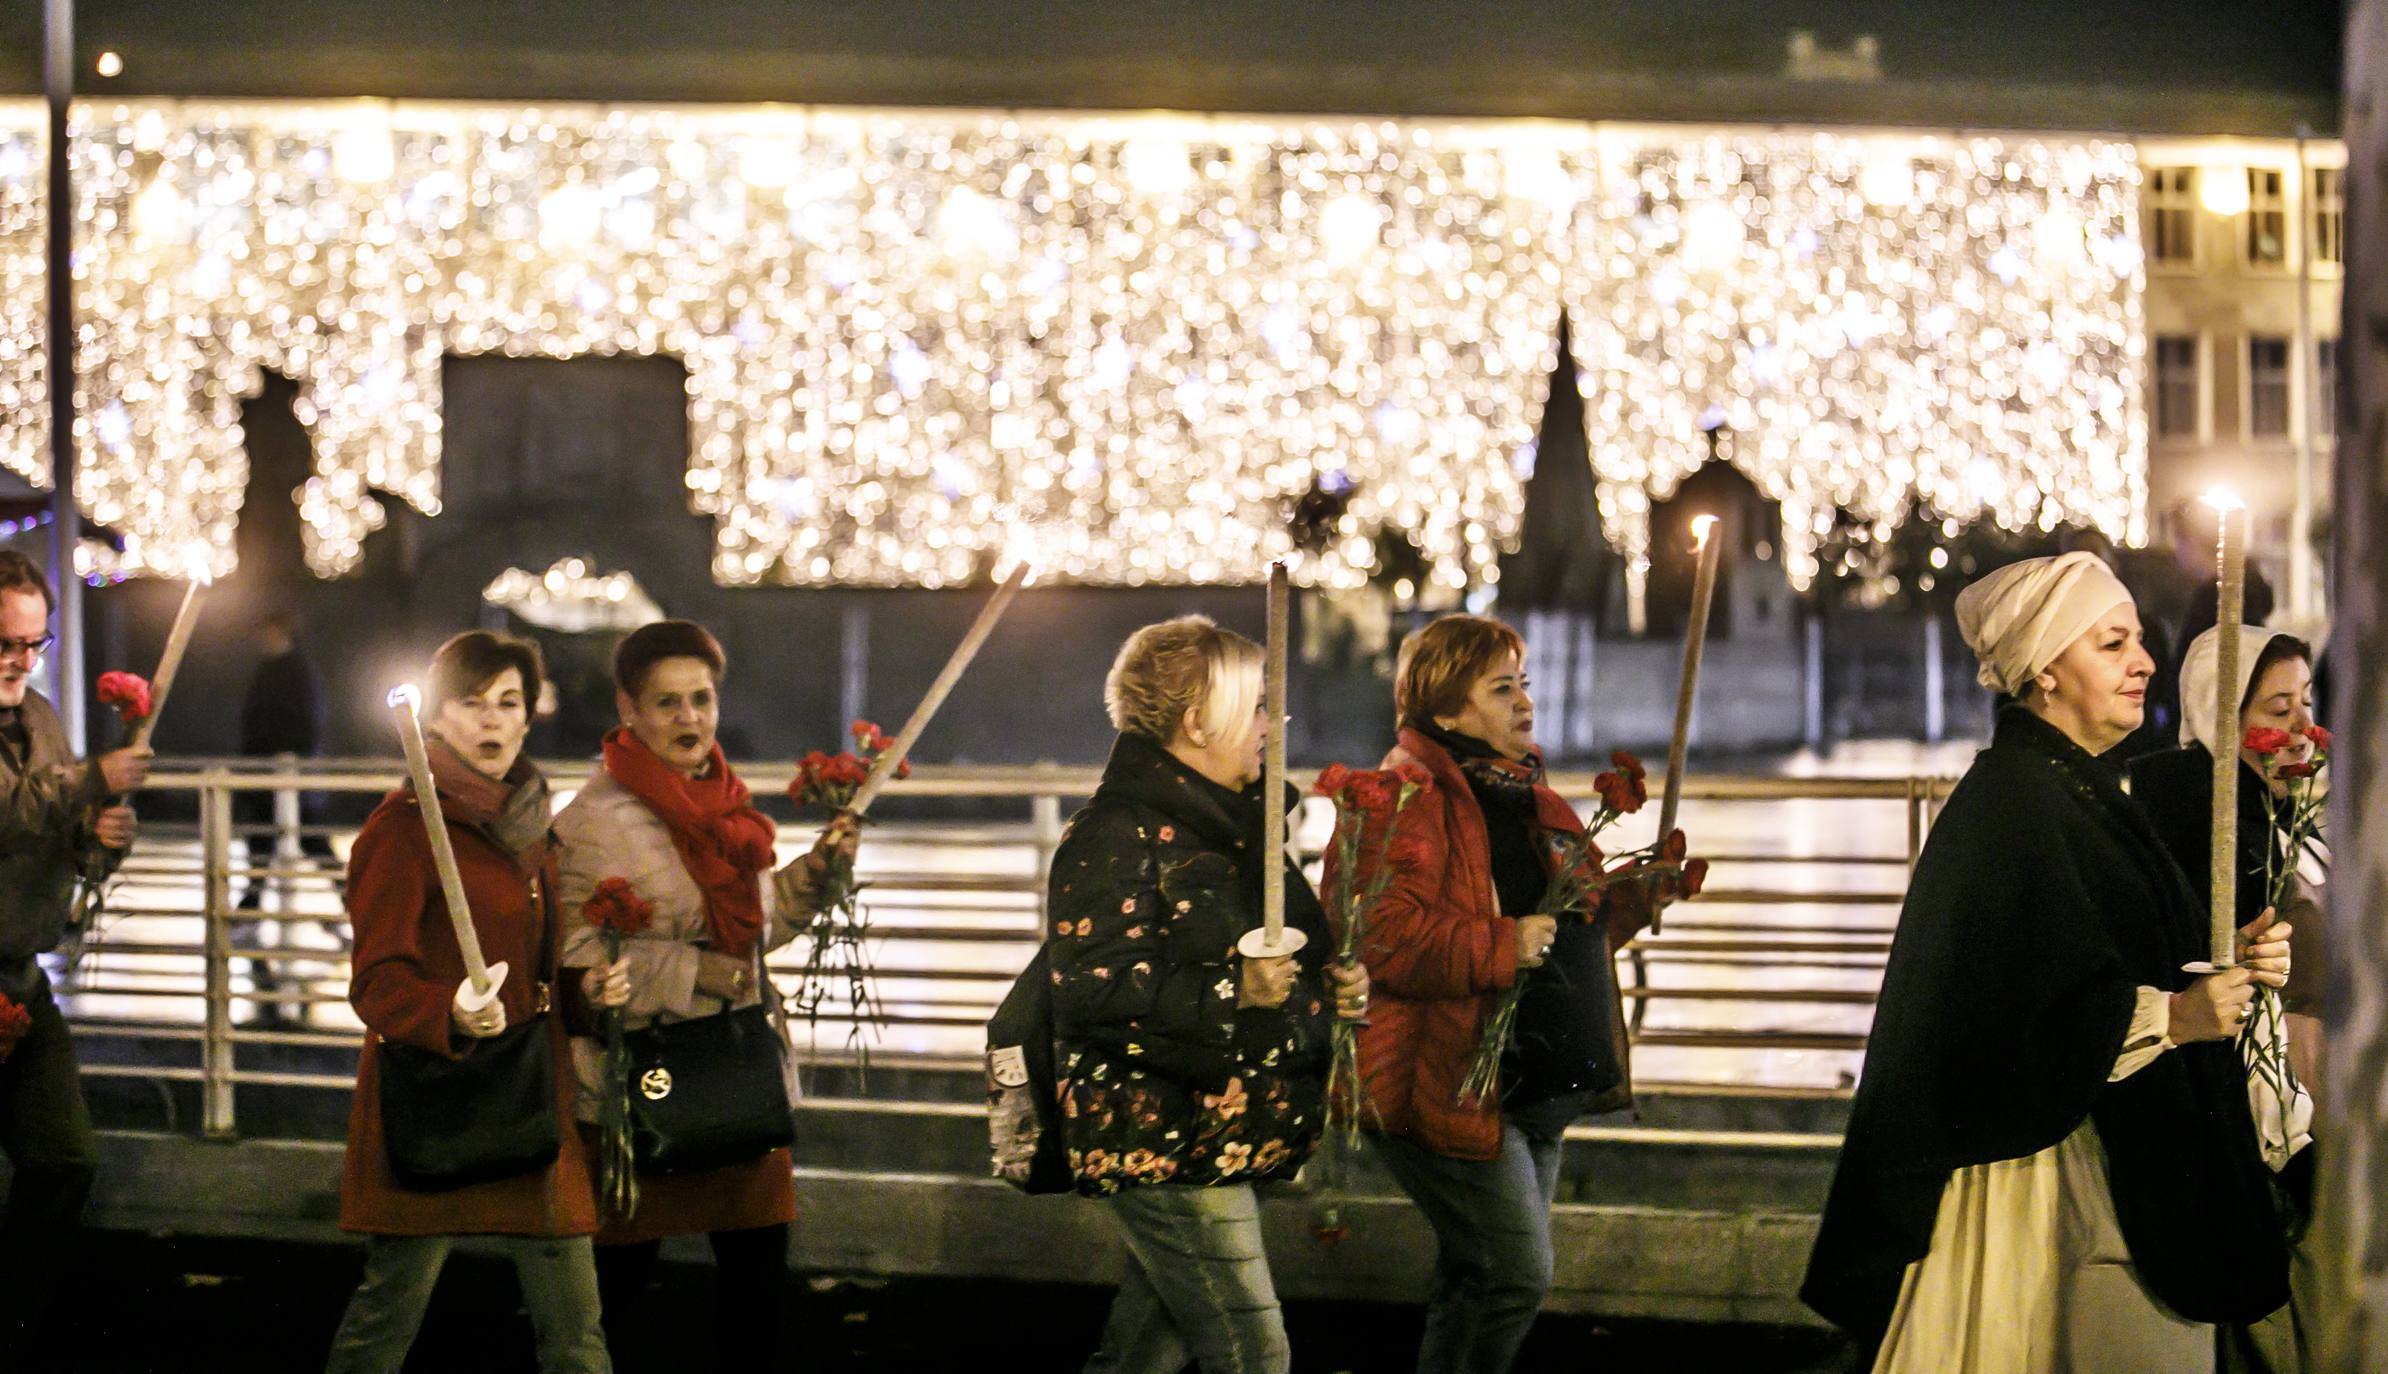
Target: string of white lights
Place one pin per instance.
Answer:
(24, 297)
(1140, 338)
(1878, 322)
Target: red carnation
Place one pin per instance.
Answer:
(870, 737)
(617, 908)
(1415, 775)
(2320, 738)
(2263, 739)
(1695, 876)
(1675, 847)
(1628, 765)
(127, 692)
(1374, 791)
(1621, 793)
(845, 770)
(2295, 770)
(15, 1024)
(1331, 780)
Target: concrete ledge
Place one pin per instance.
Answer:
(1741, 1266)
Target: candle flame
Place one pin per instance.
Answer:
(404, 694)
(1701, 525)
(1019, 552)
(2224, 499)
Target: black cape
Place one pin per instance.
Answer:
(2176, 790)
(2041, 901)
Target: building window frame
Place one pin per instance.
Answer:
(2321, 396)
(2326, 218)
(2171, 218)
(2263, 238)
(2200, 414)
(2267, 392)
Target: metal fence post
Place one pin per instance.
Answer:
(287, 850)
(1045, 812)
(215, 848)
(1916, 790)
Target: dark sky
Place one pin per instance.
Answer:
(1468, 56)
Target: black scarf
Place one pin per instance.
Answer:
(1504, 789)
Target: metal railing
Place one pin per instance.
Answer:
(119, 967)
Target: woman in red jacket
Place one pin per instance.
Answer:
(1457, 926)
(406, 978)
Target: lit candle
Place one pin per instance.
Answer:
(883, 768)
(2222, 865)
(1272, 940)
(485, 977)
(1695, 639)
(178, 639)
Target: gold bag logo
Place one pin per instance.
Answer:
(655, 1084)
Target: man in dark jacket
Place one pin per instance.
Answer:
(58, 829)
(281, 716)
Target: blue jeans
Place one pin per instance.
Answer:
(1197, 1289)
(559, 1285)
(1492, 1230)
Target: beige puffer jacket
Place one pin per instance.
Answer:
(607, 832)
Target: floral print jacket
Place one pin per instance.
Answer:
(1162, 1079)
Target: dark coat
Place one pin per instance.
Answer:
(48, 800)
(2041, 902)
(1162, 1078)
(403, 978)
(1439, 955)
(2176, 789)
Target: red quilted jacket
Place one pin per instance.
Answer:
(1439, 954)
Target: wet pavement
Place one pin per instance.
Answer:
(168, 1304)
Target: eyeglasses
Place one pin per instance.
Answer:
(32, 648)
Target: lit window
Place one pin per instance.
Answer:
(2172, 215)
(2329, 215)
(2267, 217)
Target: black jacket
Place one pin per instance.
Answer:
(282, 712)
(1163, 1078)
(2041, 901)
(2176, 790)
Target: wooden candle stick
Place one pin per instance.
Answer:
(178, 641)
(1273, 940)
(2222, 864)
(485, 977)
(1687, 689)
(883, 767)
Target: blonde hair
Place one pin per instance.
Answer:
(1439, 664)
(1184, 664)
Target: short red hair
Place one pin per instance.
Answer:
(1439, 664)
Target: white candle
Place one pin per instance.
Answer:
(1695, 639)
(2222, 865)
(178, 640)
(1272, 940)
(404, 702)
(1272, 764)
(883, 768)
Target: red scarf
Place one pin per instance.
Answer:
(724, 843)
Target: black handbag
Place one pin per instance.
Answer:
(709, 1092)
(1022, 1133)
(450, 1123)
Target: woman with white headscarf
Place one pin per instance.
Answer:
(2049, 1164)
(2176, 789)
